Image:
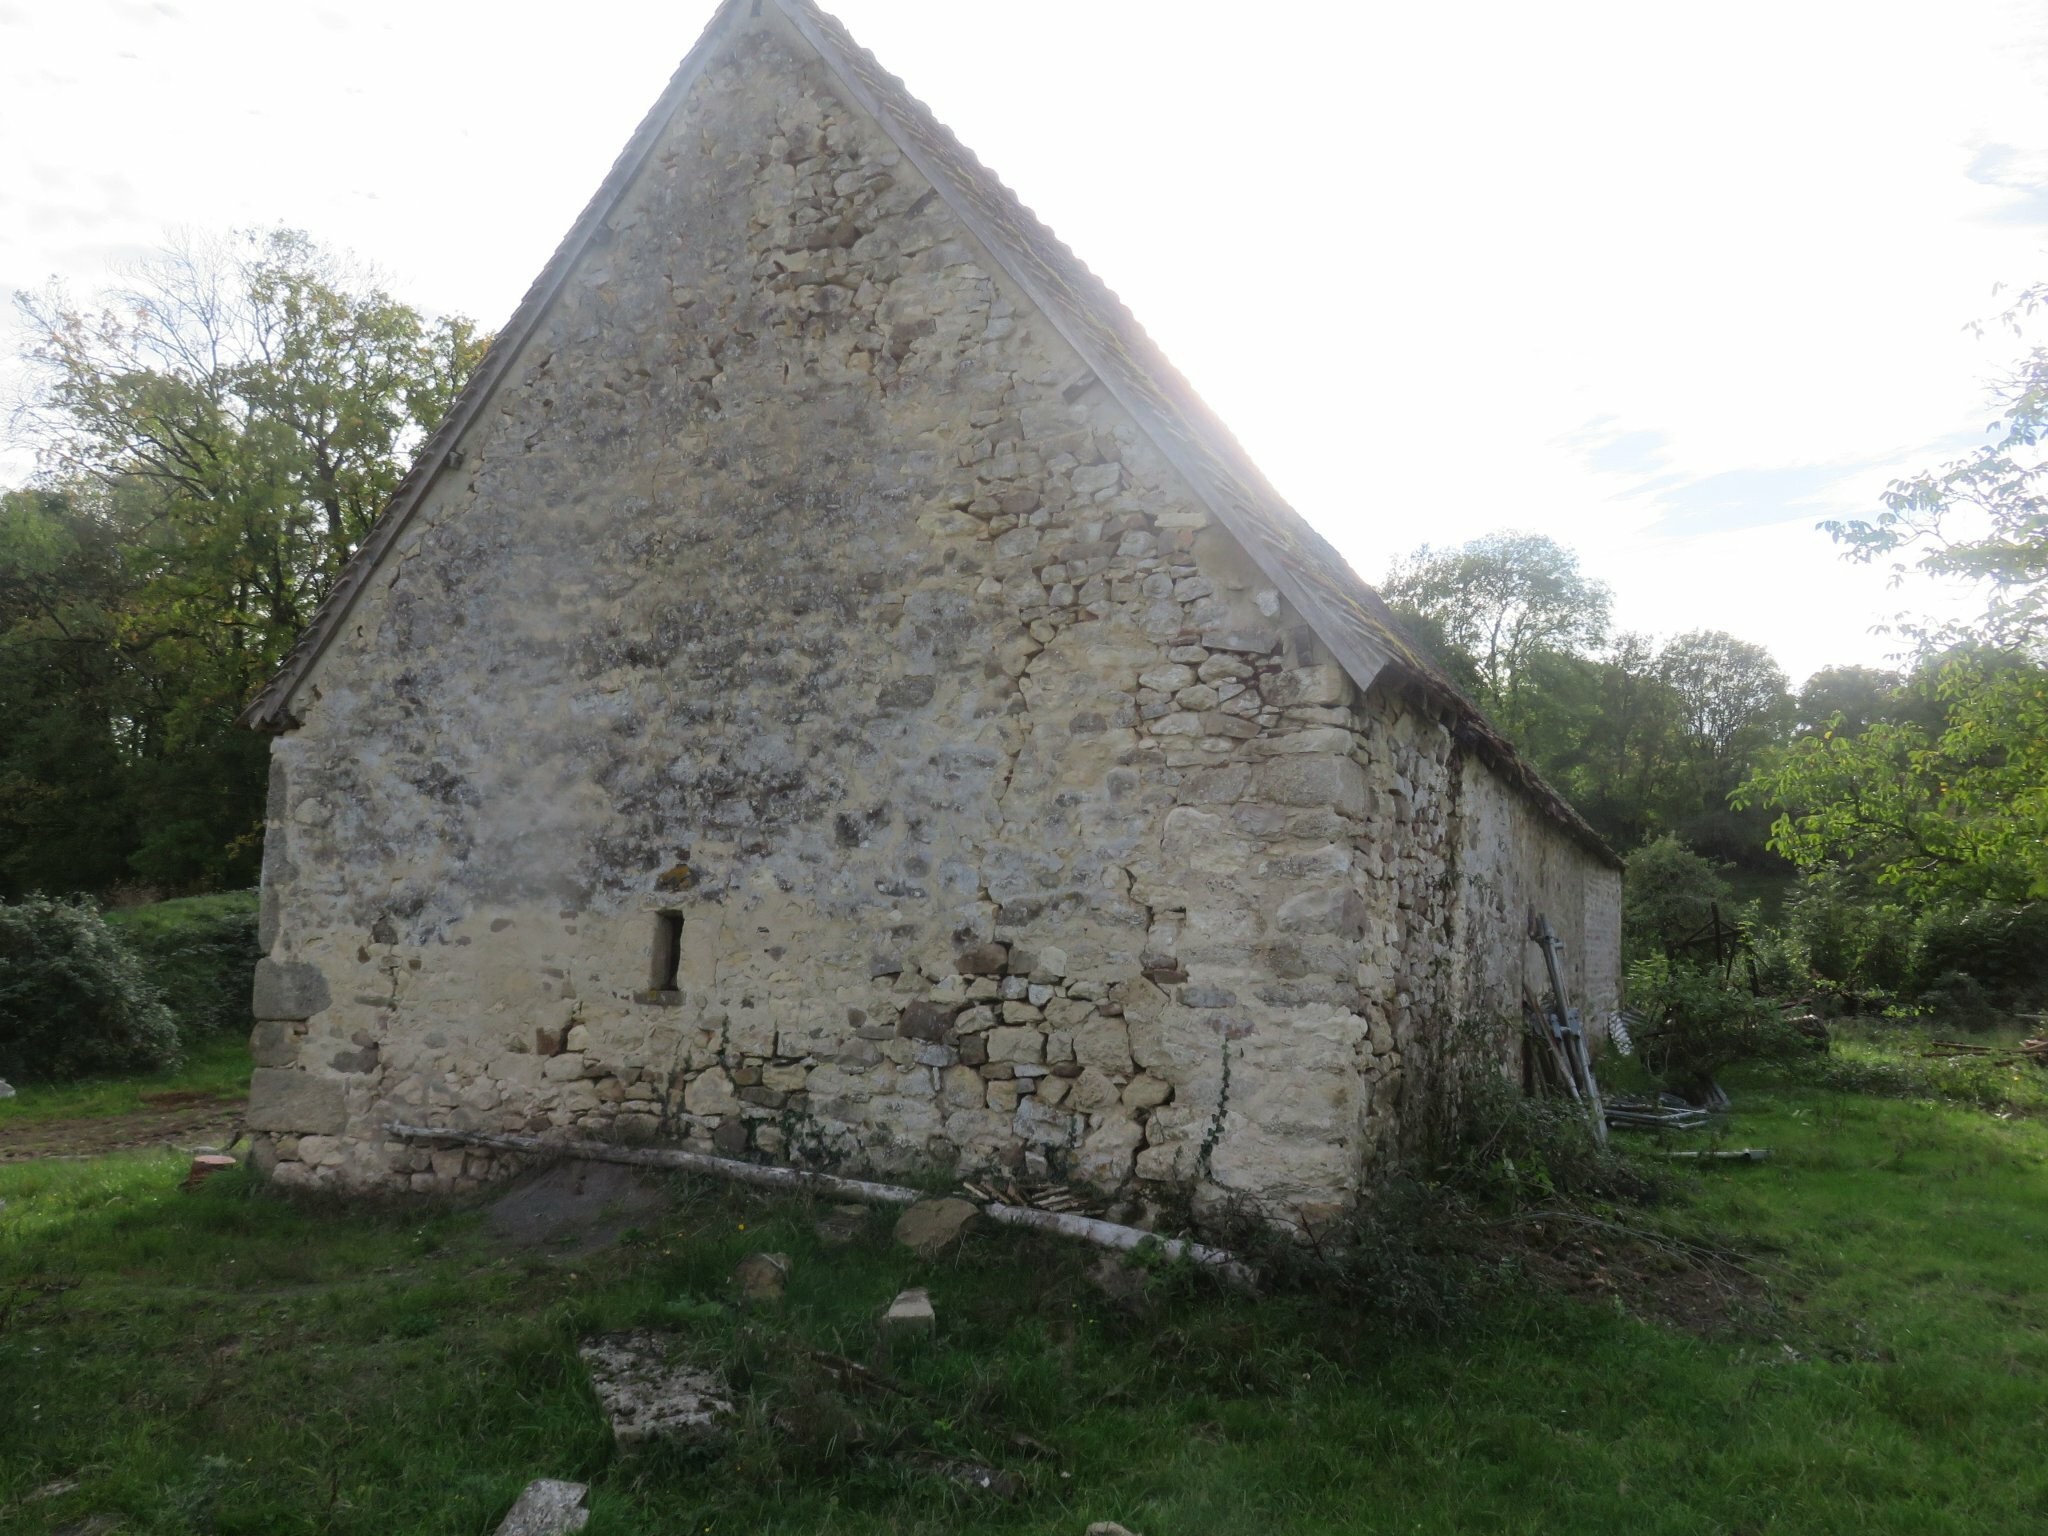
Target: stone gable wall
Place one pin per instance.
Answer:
(800, 582)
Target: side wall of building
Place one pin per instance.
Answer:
(801, 599)
(803, 611)
(1454, 865)
(1515, 865)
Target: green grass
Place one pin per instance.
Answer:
(1905, 1060)
(230, 1362)
(215, 1064)
(180, 916)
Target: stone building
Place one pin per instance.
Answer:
(831, 692)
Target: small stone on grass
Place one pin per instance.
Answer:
(761, 1276)
(842, 1224)
(204, 1167)
(910, 1313)
(548, 1508)
(930, 1227)
(1118, 1278)
(648, 1393)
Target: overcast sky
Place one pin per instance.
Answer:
(1667, 283)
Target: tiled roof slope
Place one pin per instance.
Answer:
(1345, 613)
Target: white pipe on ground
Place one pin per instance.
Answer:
(1089, 1229)
(1110, 1234)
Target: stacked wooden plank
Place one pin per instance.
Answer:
(1057, 1198)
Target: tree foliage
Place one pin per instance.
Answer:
(216, 439)
(1732, 699)
(1958, 808)
(1948, 801)
(1983, 517)
(73, 998)
(1644, 739)
(1669, 893)
(71, 701)
(1502, 603)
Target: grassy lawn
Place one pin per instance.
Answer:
(229, 1362)
(215, 1067)
(181, 915)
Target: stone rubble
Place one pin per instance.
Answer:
(909, 1315)
(648, 1391)
(548, 1508)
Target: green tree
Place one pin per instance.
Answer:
(1645, 740)
(1503, 602)
(255, 406)
(1983, 517)
(238, 415)
(1669, 894)
(1846, 699)
(1626, 775)
(72, 705)
(1957, 810)
(1733, 699)
(1732, 704)
(1955, 805)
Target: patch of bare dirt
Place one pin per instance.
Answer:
(179, 1098)
(575, 1207)
(1699, 1290)
(182, 1119)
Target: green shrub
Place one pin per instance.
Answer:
(1699, 1025)
(2004, 949)
(1855, 946)
(1776, 963)
(1508, 1149)
(1842, 943)
(1425, 1251)
(201, 950)
(1668, 895)
(73, 998)
(1958, 998)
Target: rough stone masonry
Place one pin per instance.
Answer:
(813, 701)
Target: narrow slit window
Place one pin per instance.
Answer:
(668, 950)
